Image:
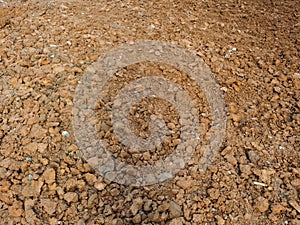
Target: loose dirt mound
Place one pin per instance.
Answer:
(252, 48)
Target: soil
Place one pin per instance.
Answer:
(252, 48)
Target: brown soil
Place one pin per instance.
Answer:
(252, 47)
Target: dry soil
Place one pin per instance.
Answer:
(252, 48)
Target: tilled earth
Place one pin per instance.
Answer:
(252, 48)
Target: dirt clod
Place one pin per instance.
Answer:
(262, 204)
(71, 197)
(174, 210)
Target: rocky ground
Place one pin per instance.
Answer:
(251, 46)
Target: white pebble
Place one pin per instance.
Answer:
(260, 184)
(65, 133)
(28, 159)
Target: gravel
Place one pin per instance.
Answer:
(252, 49)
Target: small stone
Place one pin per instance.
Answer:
(99, 185)
(147, 206)
(30, 177)
(44, 161)
(236, 88)
(225, 89)
(70, 184)
(237, 117)
(116, 221)
(154, 217)
(37, 131)
(277, 62)
(137, 219)
(164, 207)
(185, 183)
(136, 206)
(226, 151)
(253, 156)
(171, 126)
(30, 148)
(3, 172)
(3, 22)
(297, 83)
(114, 192)
(231, 159)
(176, 221)
(60, 192)
(157, 53)
(71, 197)
(176, 142)
(231, 81)
(54, 221)
(107, 210)
(147, 156)
(232, 107)
(30, 215)
(266, 175)
(10, 164)
(74, 171)
(220, 220)
(245, 169)
(277, 89)
(16, 210)
(81, 185)
(295, 205)
(29, 203)
(213, 193)
(65, 134)
(42, 147)
(48, 205)
(49, 176)
(296, 182)
(32, 189)
(277, 208)
(6, 198)
(93, 162)
(262, 204)
(80, 222)
(248, 217)
(197, 218)
(58, 69)
(187, 212)
(175, 210)
(93, 200)
(90, 178)
(260, 184)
